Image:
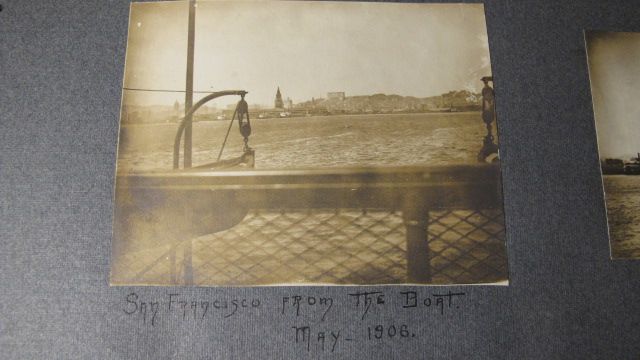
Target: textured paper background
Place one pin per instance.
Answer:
(61, 66)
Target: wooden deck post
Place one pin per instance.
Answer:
(415, 215)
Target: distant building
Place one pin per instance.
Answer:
(279, 104)
(288, 103)
(339, 95)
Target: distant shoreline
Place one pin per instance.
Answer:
(293, 118)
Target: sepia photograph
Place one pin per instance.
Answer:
(614, 71)
(310, 143)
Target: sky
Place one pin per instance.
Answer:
(307, 49)
(614, 69)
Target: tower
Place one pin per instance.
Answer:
(279, 104)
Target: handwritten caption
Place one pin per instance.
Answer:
(309, 318)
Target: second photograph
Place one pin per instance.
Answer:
(614, 69)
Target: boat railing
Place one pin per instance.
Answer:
(420, 225)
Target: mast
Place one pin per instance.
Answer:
(188, 101)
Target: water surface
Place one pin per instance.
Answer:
(623, 210)
(316, 142)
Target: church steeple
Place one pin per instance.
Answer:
(279, 104)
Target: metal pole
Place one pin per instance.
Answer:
(188, 101)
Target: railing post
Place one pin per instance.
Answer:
(187, 263)
(172, 264)
(416, 222)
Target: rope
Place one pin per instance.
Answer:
(227, 135)
(167, 91)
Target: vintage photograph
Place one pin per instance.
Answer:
(614, 70)
(299, 142)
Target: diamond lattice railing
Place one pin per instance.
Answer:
(467, 246)
(326, 246)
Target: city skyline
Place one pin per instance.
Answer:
(308, 49)
(181, 102)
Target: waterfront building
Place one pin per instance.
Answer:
(279, 104)
(338, 95)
